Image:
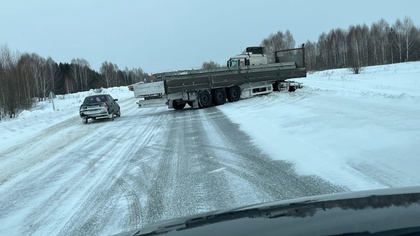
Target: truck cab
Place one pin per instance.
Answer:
(252, 56)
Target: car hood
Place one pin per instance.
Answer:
(392, 211)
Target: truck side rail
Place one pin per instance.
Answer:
(226, 77)
(295, 54)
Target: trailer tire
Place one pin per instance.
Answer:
(219, 96)
(281, 87)
(204, 99)
(178, 106)
(234, 94)
(276, 86)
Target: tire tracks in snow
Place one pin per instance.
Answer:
(89, 172)
(272, 179)
(17, 157)
(180, 186)
(148, 165)
(117, 183)
(206, 156)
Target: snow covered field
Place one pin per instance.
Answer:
(359, 131)
(355, 131)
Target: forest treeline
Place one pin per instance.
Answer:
(27, 77)
(356, 47)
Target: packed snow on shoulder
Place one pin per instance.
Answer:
(47, 113)
(359, 131)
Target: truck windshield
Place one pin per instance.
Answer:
(233, 63)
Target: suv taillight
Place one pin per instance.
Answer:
(106, 106)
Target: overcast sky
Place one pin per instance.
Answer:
(162, 35)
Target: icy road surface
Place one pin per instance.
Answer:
(112, 176)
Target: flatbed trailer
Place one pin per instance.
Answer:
(203, 88)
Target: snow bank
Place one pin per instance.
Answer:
(29, 122)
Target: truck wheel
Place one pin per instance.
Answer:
(219, 96)
(178, 106)
(204, 99)
(234, 94)
(276, 86)
(282, 86)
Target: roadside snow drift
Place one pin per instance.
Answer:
(360, 131)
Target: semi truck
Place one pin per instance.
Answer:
(245, 75)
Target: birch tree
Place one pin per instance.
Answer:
(276, 42)
(80, 68)
(410, 35)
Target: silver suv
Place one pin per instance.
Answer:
(99, 106)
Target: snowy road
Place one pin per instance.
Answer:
(112, 176)
(341, 132)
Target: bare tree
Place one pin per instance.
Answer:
(277, 41)
(120, 78)
(115, 75)
(410, 35)
(209, 65)
(322, 47)
(51, 70)
(357, 43)
(340, 48)
(289, 41)
(24, 66)
(398, 38)
(310, 55)
(80, 68)
(334, 47)
(34, 69)
(7, 63)
(105, 71)
(40, 76)
(13, 90)
(379, 41)
(139, 75)
(109, 72)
